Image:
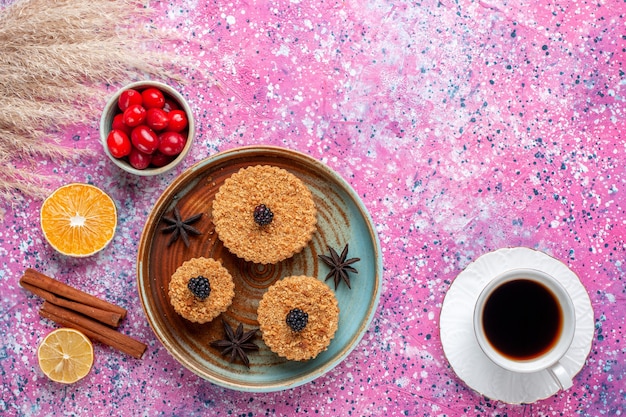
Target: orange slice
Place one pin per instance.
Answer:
(78, 219)
(65, 355)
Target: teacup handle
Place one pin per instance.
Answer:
(561, 376)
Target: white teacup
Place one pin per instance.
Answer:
(524, 321)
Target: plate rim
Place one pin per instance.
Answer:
(243, 151)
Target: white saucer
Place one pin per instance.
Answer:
(465, 355)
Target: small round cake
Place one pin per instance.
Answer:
(298, 317)
(200, 289)
(264, 214)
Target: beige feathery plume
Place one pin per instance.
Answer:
(55, 59)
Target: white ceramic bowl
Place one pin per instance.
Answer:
(111, 109)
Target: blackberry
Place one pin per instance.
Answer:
(263, 215)
(297, 319)
(200, 287)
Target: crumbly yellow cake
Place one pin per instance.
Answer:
(311, 296)
(190, 306)
(290, 201)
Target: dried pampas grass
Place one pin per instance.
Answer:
(55, 58)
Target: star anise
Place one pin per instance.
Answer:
(339, 265)
(180, 228)
(236, 343)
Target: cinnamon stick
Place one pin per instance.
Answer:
(107, 317)
(93, 329)
(51, 285)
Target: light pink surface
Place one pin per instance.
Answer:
(464, 127)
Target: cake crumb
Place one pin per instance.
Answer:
(290, 200)
(311, 296)
(191, 307)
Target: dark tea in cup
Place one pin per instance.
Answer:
(522, 319)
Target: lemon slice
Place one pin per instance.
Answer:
(78, 219)
(65, 355)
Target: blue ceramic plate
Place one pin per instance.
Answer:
(342, 218)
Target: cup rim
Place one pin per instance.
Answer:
(553, 355)
(109, 111)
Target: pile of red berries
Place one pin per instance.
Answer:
(149, 129)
